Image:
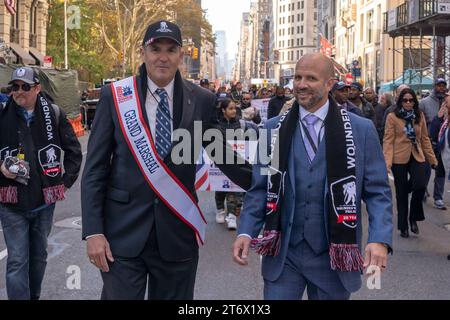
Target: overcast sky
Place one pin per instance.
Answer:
(226, 15)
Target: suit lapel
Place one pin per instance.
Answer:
(178, 95)
(142, 94)
(187, 106)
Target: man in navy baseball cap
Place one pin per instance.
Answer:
(340, 85)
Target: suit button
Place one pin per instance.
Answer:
(156, 201)
(310, 186)
(306, 218)
(307, 203)
(290, 224)
(311, 170)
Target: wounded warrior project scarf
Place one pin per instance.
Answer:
(47, 142)
(341, 177)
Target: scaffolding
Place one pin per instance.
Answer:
(423, 27)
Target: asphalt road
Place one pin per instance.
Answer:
(419, 268)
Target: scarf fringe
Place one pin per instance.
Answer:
(9, 195)
(269, 244)
(53, 194)
(346, 257)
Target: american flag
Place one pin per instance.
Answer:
(202, 174)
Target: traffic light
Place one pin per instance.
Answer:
(195, 53)
(120, 56)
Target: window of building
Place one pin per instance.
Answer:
(301, 41)
(298, 54)
(298, 29)
(370, 26)
(14, 27)
(302, 17)
(298, 42)
(298, 5)
(301, 29)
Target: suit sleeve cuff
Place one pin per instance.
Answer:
(95, 235)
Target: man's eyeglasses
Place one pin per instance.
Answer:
(25, 87)
(408, 100)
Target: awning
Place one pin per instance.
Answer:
(22, 54)
(339, 69)
(38, 56)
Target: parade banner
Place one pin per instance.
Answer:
(210, 178)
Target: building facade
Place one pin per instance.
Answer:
(295, 34)
(24, 34)
(361, 45)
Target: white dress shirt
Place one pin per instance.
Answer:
(321, 113)
(152, 101)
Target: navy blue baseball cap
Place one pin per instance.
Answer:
(357, 85)
(440, 81)
(162, 30)
(339, 86)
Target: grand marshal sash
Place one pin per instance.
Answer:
(158, 176)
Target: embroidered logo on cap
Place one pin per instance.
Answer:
(20, 72)
(163, 27)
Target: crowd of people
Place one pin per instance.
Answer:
(331, 149)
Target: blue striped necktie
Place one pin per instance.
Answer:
(163, 132)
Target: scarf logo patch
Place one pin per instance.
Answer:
(124, 93)
(48, 159)
(343, 196)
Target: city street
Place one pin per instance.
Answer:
(418, 269)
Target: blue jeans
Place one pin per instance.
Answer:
(26, 240)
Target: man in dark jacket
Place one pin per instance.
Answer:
(139, 204)
(276, 103)
(355, 97)
(33, 132)
(340, 92)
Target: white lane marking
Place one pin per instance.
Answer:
(3, 254)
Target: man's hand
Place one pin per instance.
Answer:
(443, 111)
(376, 255)
(240, 250)
(6, 172)
(98, 251)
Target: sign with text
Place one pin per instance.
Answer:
(214, 179)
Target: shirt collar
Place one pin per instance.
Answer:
(169, 88)
(26, 116)
(321, 113)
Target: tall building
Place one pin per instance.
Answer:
(295, 25)
(23, 34)
(222, 55)
(243, 56)
(326, 19)
(207, 59)
(361, 45)
(259, 37)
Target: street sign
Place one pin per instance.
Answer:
(48, 60)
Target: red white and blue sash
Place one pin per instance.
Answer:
(162, 181)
